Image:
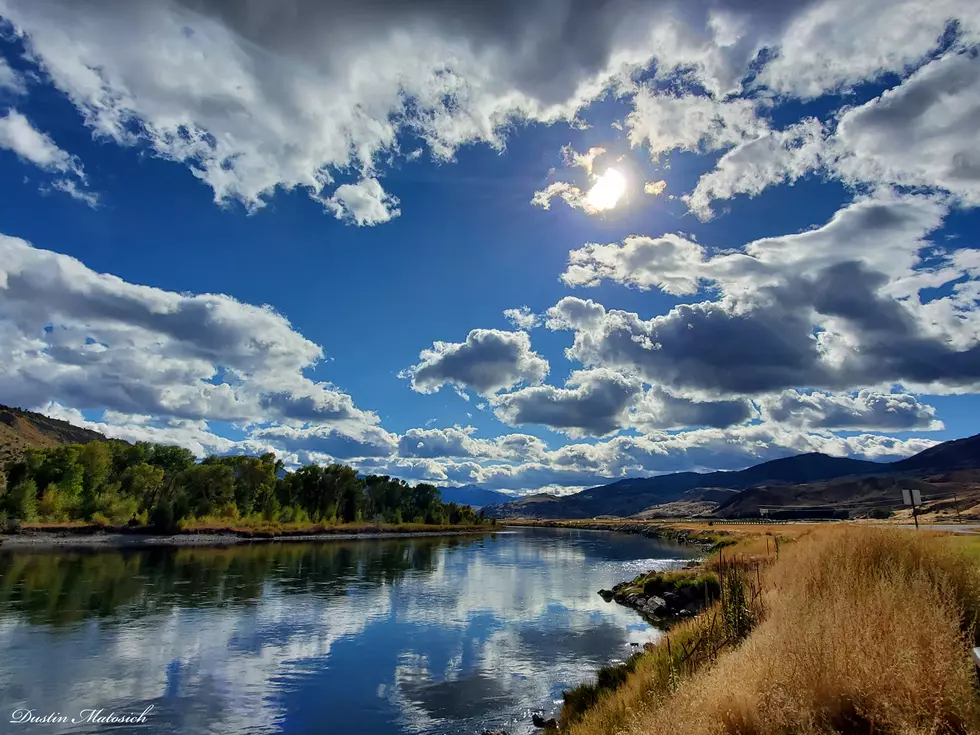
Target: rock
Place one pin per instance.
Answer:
(606, 595)
(649, 646)
(494, 732)
(539, 721)
(693, 608)
(671, 599)
(655, 606)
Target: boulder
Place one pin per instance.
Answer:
(539, 721)
(606, 595)
(655, 606)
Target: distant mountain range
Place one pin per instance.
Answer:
(806, 479)
(473, 496)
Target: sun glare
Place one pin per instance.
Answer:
(607, 190)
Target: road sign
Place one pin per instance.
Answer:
(906, 496)
(916, 498)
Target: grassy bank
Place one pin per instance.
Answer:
(701, 535)
(849, 630)
(245, 528)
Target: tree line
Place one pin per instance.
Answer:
(117, 482)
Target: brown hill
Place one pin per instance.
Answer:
(943, 493)
(21, 430)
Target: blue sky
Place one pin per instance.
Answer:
(817, 215)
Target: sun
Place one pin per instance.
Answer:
(607, 190)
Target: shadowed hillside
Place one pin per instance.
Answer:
(21, 430)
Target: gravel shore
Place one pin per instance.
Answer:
(42, 540)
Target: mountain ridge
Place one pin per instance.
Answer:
(630, 496)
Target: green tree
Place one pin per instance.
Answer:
(21, 501)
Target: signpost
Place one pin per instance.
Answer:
(914, 498)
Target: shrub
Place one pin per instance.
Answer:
(162, 517)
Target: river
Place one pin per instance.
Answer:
(395, 637)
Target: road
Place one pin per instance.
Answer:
(951, 527)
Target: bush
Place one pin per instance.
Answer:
(22, 501)
(881, 513)
(100, 520)
(162, 517)
(53, 505)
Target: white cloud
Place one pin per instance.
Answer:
(364, 203)
(522, 318)
(23, 139)
(568, 193)
(582, 160)
(825, 308)
(750, 167)
(93, 341)
(666, 122)
(670, 262)
(488, 361)
(654, 188)
(10, 80)
(921, 133)
(835, 44)
(865, 410)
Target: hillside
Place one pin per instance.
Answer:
(473, 496)
(806, 479)
(21, 430)
(631, 496)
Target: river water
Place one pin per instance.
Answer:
(424, 635)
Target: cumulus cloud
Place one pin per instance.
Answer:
(522, 318)
(592, 403)
(195, 436)
(252, 100)
(93, 341)
(669, 262)
(341, 442)
(921, 133)
(658, 410)
(19, 136)
(865, 410)
(488, 361)
(364, 203)
(825, 308)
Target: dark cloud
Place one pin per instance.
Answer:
(592, 403)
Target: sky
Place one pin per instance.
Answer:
(526, 245)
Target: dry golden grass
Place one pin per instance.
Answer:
(867, 630)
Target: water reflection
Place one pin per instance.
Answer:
(434, 635)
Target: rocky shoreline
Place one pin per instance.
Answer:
(684, 602)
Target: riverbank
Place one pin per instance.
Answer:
(93, 535)
(706, 540)
(847, 629)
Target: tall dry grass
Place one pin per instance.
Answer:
(866, 630)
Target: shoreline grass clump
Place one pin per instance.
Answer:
(859, 630)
